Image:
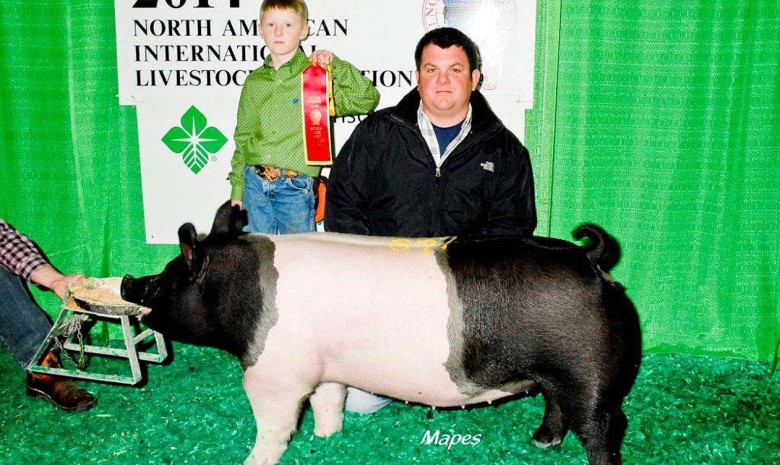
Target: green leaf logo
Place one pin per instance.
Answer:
(194, 140)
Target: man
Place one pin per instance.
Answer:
(24, 326)
(439, 163)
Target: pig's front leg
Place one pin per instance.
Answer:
(276, 404)
(327, 402)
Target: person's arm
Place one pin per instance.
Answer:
(353, 93)
(247, 120)
(513, 210)
(20, 256)
(346, 198)
(50, 278)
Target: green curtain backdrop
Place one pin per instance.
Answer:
(69, 163)
(658, 120)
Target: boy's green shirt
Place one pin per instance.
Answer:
(269, 127)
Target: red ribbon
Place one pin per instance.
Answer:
(315, 84)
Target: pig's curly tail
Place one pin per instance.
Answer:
(604, 250)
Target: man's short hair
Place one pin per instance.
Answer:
(298, 6)
(446, 37)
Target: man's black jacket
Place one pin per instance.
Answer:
(384, 182)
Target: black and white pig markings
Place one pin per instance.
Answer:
(443, 322)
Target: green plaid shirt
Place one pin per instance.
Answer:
(269, 127)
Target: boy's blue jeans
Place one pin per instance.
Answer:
(23, 325)
(284, 206)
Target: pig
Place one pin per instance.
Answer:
(446, 322)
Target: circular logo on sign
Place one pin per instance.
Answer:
(489, 23)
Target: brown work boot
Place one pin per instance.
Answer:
(61, 392)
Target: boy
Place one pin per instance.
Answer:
(270, 178)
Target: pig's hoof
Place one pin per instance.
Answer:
(544, 438)
(256, 459)
(545, 445)
(325, 426)
(327, 430)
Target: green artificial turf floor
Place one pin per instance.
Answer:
(683, 410)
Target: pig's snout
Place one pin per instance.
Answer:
(127, 281)
(143, 291)
(130, 290)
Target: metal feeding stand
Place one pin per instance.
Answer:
(77, 314)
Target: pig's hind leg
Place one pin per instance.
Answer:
(592, 411)
(327, 402)
(601, 431)
(554, 426)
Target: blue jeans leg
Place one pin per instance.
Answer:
(283, 206)
(23, 325)
(294, 205)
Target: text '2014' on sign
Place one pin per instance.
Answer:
(181, 3)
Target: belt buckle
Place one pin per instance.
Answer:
(272, 173)
(268, 173)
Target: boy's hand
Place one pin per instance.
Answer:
(322, 57)
(234, 202)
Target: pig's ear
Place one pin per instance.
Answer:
(187, 242)
(230, 219)
(199, 268)
(197, 261)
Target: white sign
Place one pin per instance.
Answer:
(182, 64)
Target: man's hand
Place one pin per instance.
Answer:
(57, 282)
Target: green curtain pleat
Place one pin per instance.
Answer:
(658, 120)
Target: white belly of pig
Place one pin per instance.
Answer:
(369, 317)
